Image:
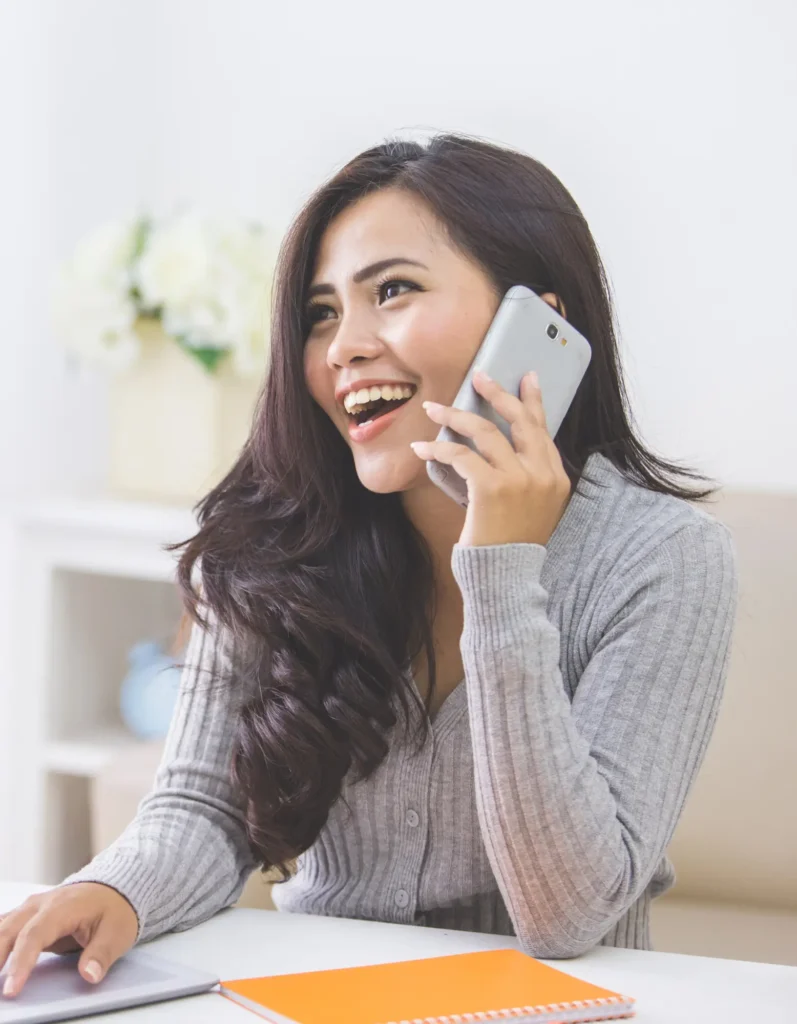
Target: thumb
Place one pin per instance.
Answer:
(103, 950)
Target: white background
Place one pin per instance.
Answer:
(672, 125)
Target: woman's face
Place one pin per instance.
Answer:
(414, 325)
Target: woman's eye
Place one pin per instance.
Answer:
(315, 311)
(387, 290)
(388, 286)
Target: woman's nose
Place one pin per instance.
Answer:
(355, 338)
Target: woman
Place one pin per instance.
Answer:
(485, 720)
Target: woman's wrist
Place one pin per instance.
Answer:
(501, 590)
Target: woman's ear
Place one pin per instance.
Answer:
(554, 301)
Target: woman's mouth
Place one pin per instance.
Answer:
(371, 410)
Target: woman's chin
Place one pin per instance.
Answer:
(385, 475)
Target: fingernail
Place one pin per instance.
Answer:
(93, 971)
(9, 986)
(483, 375)
(532, 375)
(431, 405)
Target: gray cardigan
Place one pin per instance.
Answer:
(552, 778)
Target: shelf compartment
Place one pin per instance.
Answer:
(86, 756)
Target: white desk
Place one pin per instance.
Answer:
(669, 988)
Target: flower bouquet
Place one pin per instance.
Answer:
(177, 310)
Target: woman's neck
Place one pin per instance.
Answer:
(439, 520)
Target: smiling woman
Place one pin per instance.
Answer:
(484, 719)
(413, 313)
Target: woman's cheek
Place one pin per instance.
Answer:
(447, 362)
(419, 340)
(315, 370)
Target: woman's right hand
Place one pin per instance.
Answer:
(84, 915)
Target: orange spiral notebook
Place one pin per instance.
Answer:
(500, 984)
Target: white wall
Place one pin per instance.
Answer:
(672, 125)
(75, 111)
(23, 197)
(76, 108)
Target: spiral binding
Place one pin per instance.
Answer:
(533, 1012)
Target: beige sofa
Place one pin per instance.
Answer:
(735, 849)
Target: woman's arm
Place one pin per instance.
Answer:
(185, 854)
(578, 801)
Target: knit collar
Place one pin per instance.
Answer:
(598, 475)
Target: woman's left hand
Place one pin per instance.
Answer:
(516, 495)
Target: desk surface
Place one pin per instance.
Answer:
(669, 988)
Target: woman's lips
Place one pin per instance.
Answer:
(362, 432)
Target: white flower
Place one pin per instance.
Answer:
(105, 255)
(208, 278)
(93, 311)
(173, 269)
(211, 277)
(250, 329)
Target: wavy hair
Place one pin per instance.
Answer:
(326, 588)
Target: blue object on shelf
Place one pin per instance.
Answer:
(149, 691)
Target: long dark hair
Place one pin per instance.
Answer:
(326, 588)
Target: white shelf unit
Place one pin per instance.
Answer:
(91, 578)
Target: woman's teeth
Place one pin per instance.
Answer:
(356, 401)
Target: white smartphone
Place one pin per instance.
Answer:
(525, 334)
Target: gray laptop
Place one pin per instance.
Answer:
(55, 991)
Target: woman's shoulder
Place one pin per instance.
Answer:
(615, 526)
(631, 503)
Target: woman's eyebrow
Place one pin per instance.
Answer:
(362, 275)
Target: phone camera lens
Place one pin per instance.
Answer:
(552, 332)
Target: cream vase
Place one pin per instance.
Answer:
(175, 428)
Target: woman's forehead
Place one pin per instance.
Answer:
(378, 226)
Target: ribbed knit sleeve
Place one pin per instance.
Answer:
(577, 800)
(185, 856)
